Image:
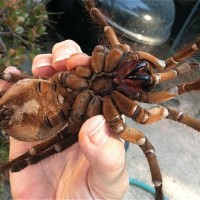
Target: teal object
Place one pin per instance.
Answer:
(144, 186)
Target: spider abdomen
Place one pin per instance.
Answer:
(34, 109)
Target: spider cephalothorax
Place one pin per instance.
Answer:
(116, 79)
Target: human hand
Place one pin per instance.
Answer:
(94, 168)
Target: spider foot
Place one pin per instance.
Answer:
(4, 167)
(12, 77)
(16, 167)
(5, 115)
(13, 166)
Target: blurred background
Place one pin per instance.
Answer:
(169, 22)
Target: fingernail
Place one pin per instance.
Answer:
(42, 65)
(62, 57)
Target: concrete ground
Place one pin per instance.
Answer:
(177, 148)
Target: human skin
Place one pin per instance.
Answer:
(94, 168)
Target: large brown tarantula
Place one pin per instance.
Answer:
(117, 79)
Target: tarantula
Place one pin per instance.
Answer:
(117, 79)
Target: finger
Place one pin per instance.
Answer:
(64, 52)
(12, 69)
(105, 153)
(78, 60)
(67, 43)
(42, 65)
(4, 85)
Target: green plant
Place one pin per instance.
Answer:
(22, 23)
(3, 151)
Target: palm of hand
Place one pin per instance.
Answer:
(69, 175)
(50, 178)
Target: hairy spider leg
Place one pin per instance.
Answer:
(137, 113)
(134, 136)
(118, 48)
(171, 74)
(11, 77)
(140, 55)
(57, 148)
(22, 161)
(183, 118)
(169, 93)
(152, 115)
(183, 54)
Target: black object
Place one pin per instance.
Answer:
(74, 23)
(189, 29)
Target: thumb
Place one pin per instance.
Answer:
(94, 132)
(99, 145)
(106, 155)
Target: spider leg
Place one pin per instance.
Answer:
(21, 162)
(183, 54)
(137, 113)
(76, 117)
(115, 55)
(132, 135)
(183, 118)
(140, 55)
(13, 77)
(98, 58)
(94, 107)
(82, 72)
(118, 49)
(57, 148)
(70, 80)
(171, 74)
(106, 60)
(10, 77)
(152, 115)
(167, 94)
(102, 57)
(99, 18)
